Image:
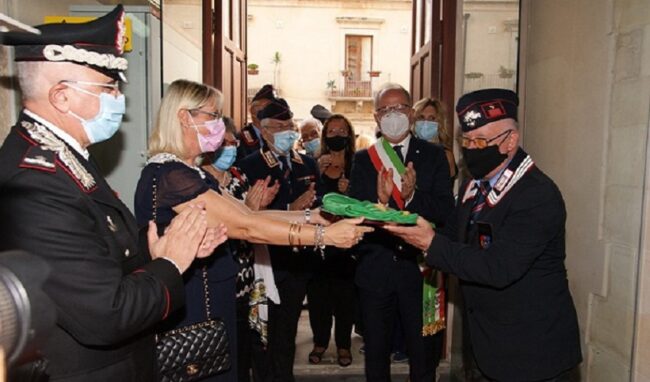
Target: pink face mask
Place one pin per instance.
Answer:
(216, 131)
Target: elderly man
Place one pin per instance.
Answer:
(409, 174)
(310, 131)
(250, 135)
(299, 178)
(55, 204)
(505, 242)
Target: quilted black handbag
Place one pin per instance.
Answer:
(196, 351)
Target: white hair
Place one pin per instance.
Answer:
(391, 86)
(311, 121)
(30, 78)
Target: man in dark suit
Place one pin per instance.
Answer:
(250, 136)
(54, 203)
(298, 177)
(410, 174)
(505, 242)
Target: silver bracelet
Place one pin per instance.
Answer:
(308, 216)
(319, 240)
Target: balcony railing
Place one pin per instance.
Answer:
(488, 81)
(344, 85)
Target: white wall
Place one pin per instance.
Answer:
(312, 44)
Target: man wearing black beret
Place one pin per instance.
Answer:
(299, 180)
(505, 241)
(250, 135)
(55, 204)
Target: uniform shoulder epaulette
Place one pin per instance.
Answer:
(50, 150)
(247, 137)
(295, 157)
(269, 158)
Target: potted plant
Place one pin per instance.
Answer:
(473, 75)
(253, 69)
(506, 73)
(331, 85)
(275, 60)
(374, 73)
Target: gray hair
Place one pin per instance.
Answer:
(391, 86)
(30, 78)
(310, 121)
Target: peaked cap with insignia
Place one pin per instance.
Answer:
(484, 106)
(98, 44)
(277, 109)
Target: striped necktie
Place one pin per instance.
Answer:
(483, 191)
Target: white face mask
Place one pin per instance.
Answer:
(394, 124)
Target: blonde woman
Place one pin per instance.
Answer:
(431, 125)
(189, 124)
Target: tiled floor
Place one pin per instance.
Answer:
(328, 370)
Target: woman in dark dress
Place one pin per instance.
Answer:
(251, 329)
(331, 293)
(188, 125)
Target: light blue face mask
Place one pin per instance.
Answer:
(284, 140)
(226, 158)
(312, 146)
(107, 121)
(426, 130)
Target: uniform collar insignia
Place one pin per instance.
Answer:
(50, 142)
(248, 137)
(295, 157)
(269, 158)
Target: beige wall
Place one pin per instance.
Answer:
(311, 43)
(182, 44)
(587, 93)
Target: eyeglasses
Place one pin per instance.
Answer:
(214, 115)
(402, 108)
(481, 143)
(108, 87)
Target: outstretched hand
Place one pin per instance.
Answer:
(419, 235)
(346, 233)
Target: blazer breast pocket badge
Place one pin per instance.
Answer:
(484, 235)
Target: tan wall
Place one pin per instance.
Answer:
(311, 44)
(587, 95)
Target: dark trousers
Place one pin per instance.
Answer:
(331, 296)
(244, 341)
(401, 294)
(283, 325)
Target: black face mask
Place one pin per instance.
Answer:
(336, 143)
(481, 161)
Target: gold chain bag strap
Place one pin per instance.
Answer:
(192, 352)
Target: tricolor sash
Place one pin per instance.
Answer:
(383, 156)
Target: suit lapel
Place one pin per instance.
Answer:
(413, 154)
(105, 195)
